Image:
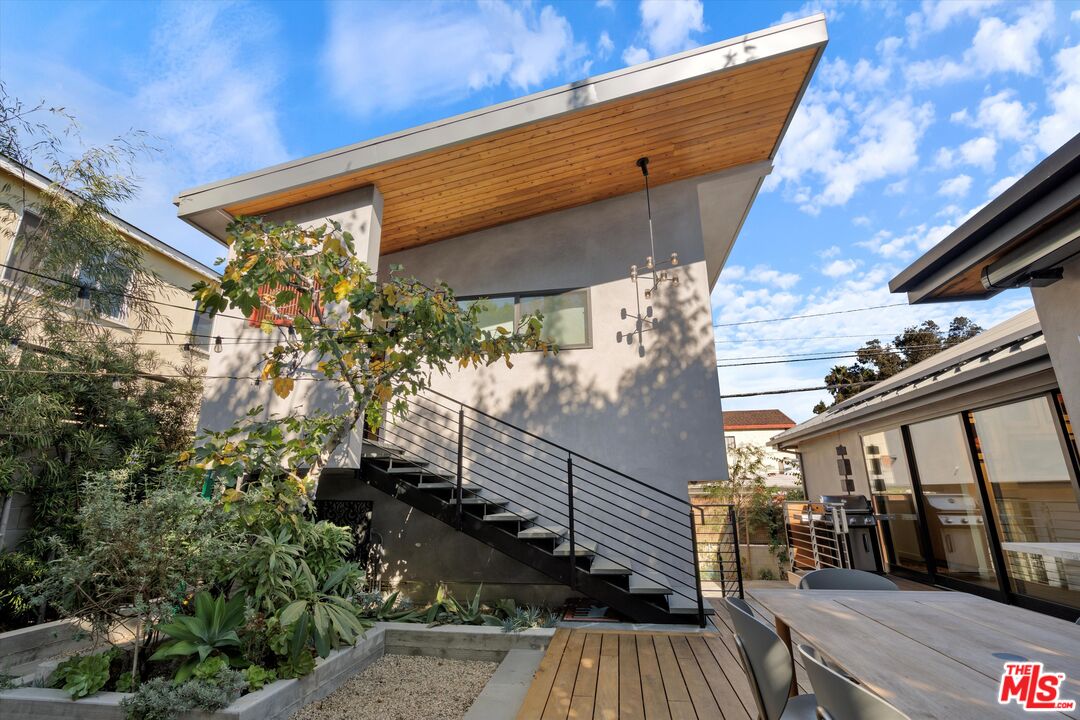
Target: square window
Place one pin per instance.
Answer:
(566, 317)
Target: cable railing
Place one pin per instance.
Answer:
(716, 541)
(816, 537)
(592, 508)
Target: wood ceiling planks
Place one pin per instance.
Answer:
(706, 125)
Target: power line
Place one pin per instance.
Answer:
(799, 390)
(815, 337)
(826, 354)
(810, 315)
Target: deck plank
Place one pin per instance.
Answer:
(631, 706)
(724, 694)
(704, 703)
(562, 689)
(607, 679)
(536, 698)
(654, 698)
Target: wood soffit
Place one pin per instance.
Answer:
(706, 125)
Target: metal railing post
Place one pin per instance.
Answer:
(570, 516)
(840, 535)
(460, 459)
(697, 567)
(738, 558)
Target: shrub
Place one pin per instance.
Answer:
(211, 631)
(163, 699)
(17, 569)
(82, 675)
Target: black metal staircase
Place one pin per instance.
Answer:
(615, 539)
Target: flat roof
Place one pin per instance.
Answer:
(1011, 343)
(696, 113)
(952, 269)
(42, 182)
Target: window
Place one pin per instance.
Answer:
(729, 440)
(202, 327)
(23, 251)
(566, 315)
(109, 302)
(894, 498)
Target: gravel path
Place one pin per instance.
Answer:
(405, 687)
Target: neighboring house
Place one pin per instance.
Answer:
(757, 427)
(20, 192)
(970, 457)
(536, 203)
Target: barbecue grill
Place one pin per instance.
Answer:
(857, 525)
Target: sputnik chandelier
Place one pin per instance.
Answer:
(653, 273)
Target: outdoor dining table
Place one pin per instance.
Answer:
(930, 654)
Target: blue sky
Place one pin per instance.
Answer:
(919, 114)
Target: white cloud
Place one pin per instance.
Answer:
(765, 275)
(634, 55)
(1064, 97)
(829, 252)
(839, 268)
(936, 16)
(945, 158)
(1075, 16)
(897, 188)
(955, 187)
(387, 58)
(831, 8)
(606, 4)
(819, 144)
(1001, 186)
(1005, 116)
(996, 47)
(604, 46)
(860, 221)
(979, 152)
(668, 24)
(208, 94)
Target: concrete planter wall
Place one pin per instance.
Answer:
(281, 699)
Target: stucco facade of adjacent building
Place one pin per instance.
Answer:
(538, 203)
(757, 428)
(21, 189)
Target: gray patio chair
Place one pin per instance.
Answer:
(741, 604)
(767, 663)
(844, 579)
(839, 698)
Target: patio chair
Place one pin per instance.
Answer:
(741, 604)
(767, 663)
(839, 698)
(844, 579)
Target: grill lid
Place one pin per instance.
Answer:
(851, 503)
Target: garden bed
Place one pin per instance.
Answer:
(281, 699)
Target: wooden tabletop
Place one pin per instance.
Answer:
(931, 654)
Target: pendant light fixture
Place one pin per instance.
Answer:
(653, 272)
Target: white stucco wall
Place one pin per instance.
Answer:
(776, 461)
(1058, 307)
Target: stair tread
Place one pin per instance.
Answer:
(580, 548)
(539, 533)
(507, 516)
(414, 467)
(436, 485)
(681, 604)
(603, 566)
(640, 585)
(477, 500)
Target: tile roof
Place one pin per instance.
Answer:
(771, 419)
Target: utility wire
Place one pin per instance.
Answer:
(826, 354)
(810, 315)
(799, 390)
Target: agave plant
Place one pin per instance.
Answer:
(446, 609)
(210, 631)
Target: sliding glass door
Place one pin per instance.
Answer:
(1025, 461)
(952, 501)
(894, 500)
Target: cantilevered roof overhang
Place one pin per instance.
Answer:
(1028, 229)
(706, 110)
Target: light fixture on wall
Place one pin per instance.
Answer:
(653, 272)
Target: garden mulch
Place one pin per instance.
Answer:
(405, 687)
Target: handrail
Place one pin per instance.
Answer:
(561, 447)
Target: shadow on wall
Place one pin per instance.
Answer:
(563, 402)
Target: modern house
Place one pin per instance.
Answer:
(21, 190)
(970, 457)
(757, 428)
(573, 470)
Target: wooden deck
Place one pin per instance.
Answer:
(597, 674)
(615, 675)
